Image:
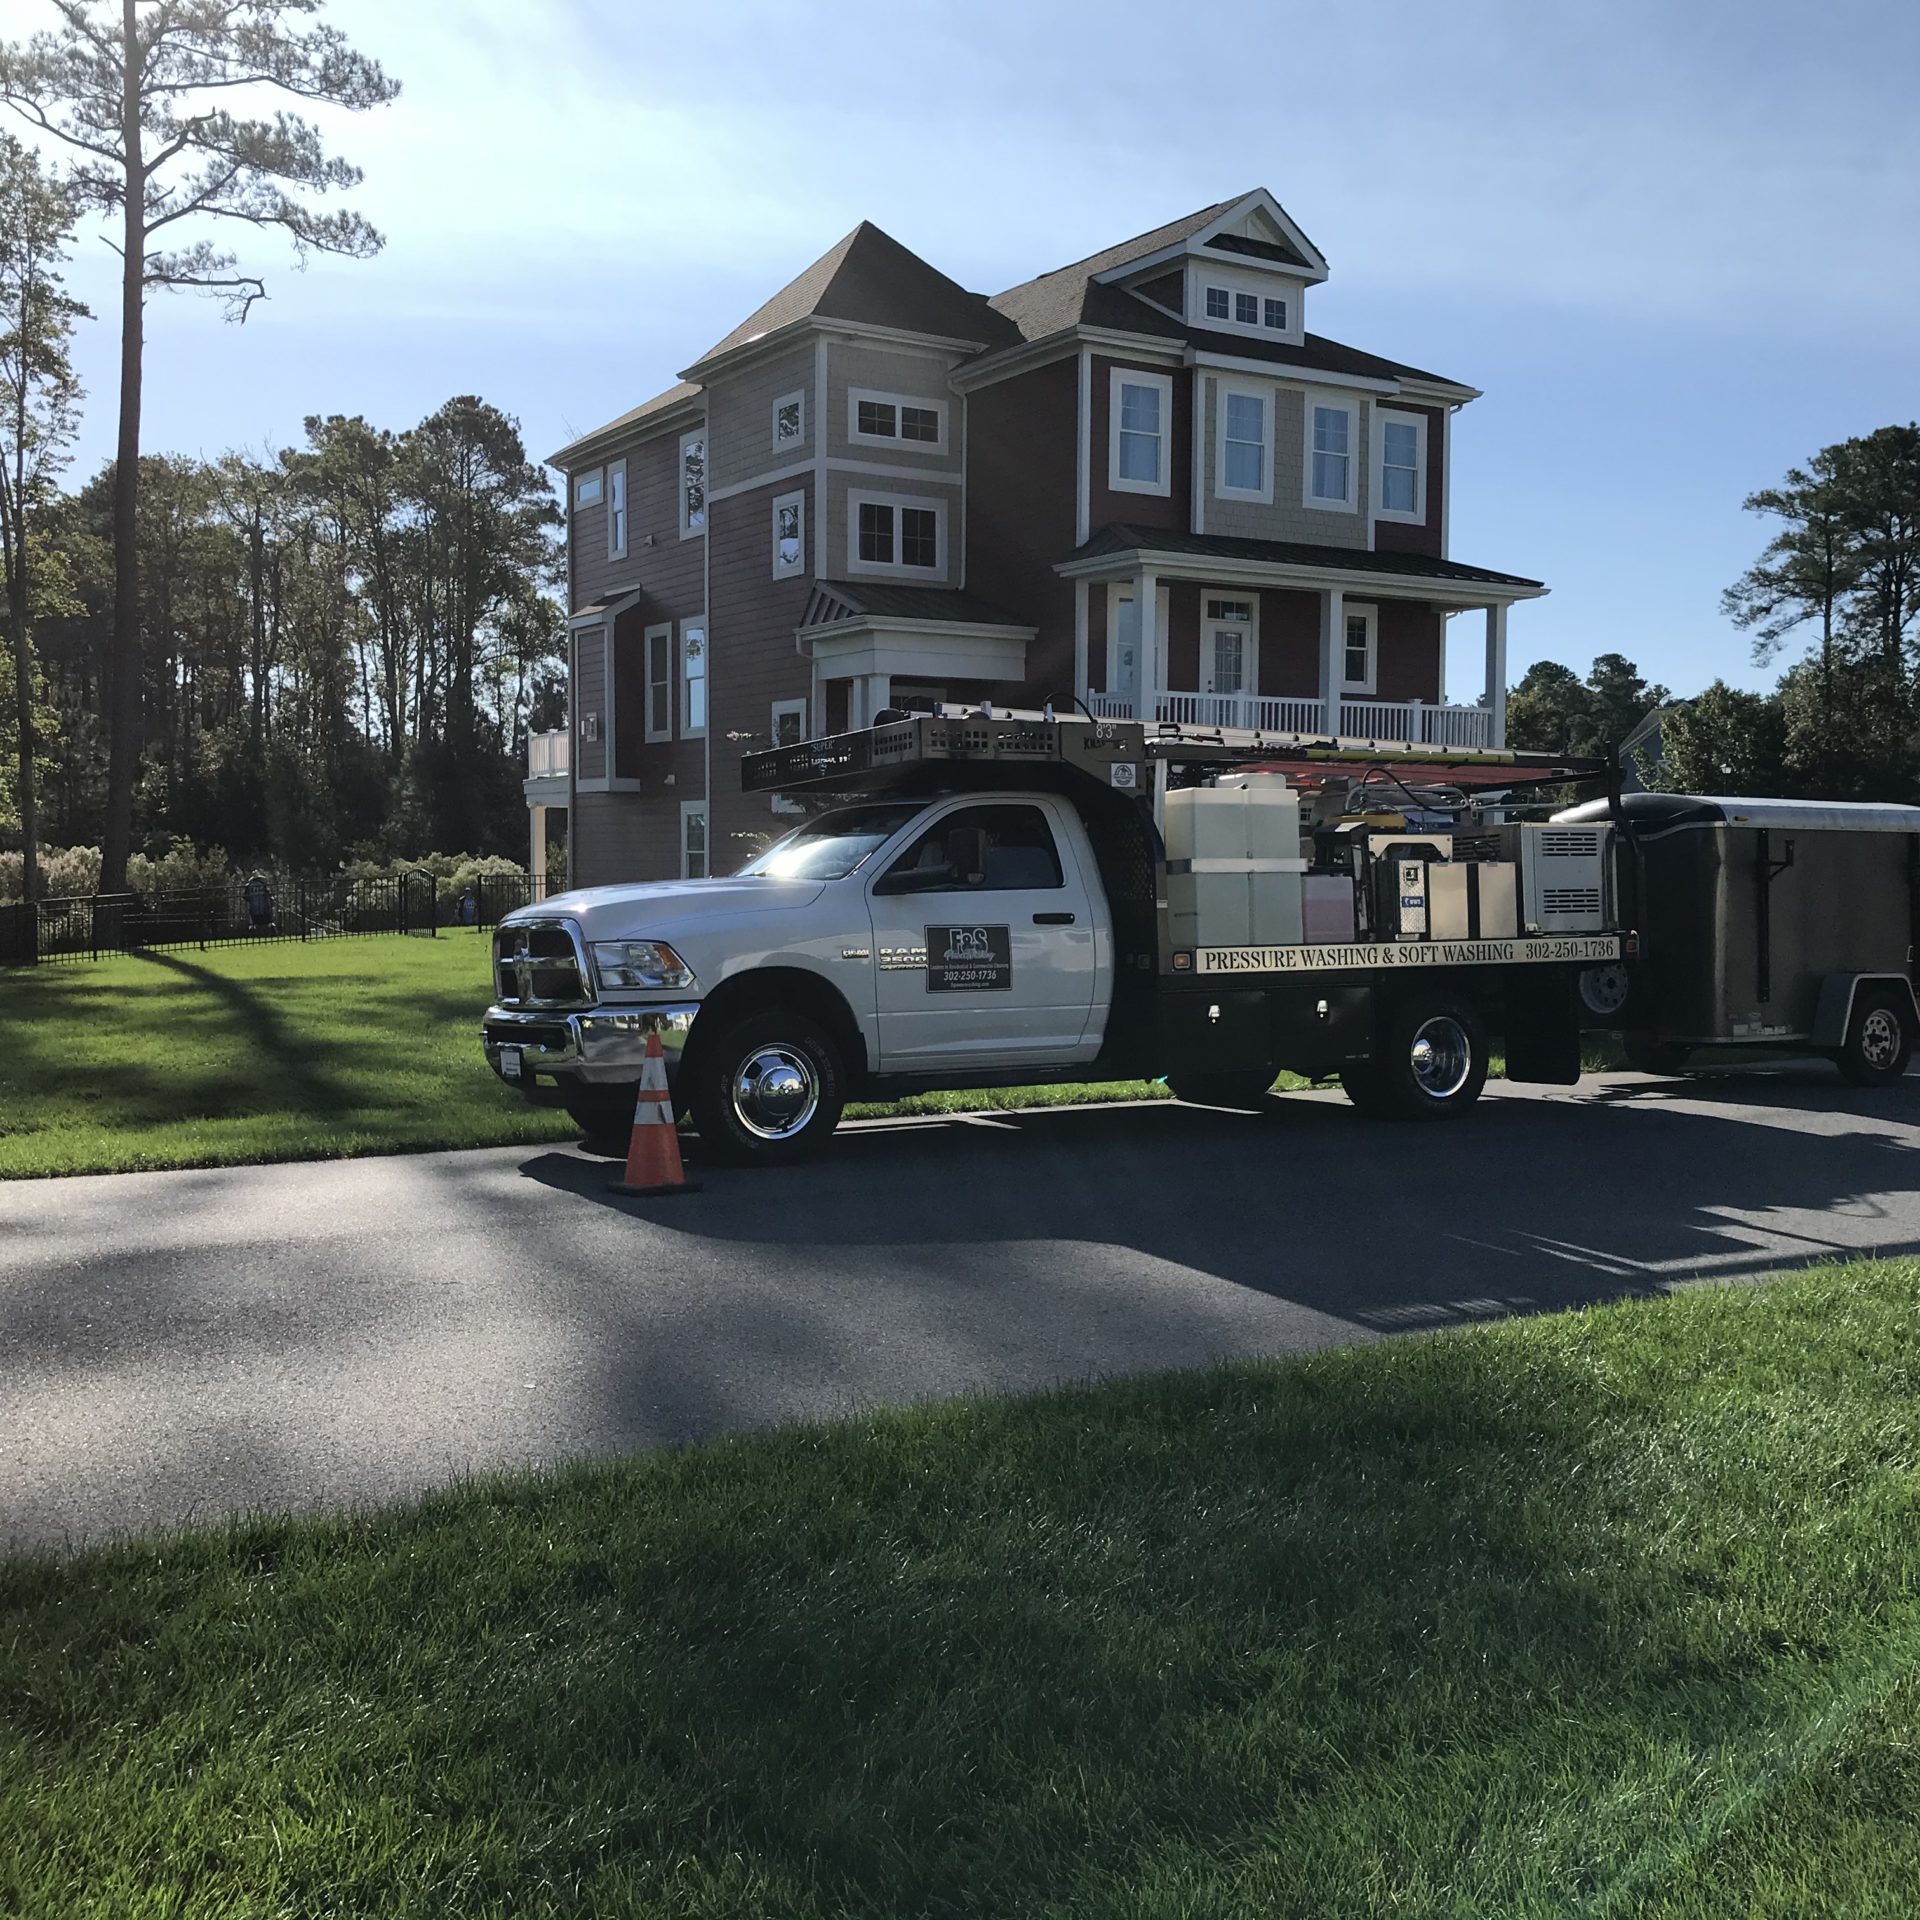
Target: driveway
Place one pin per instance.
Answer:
(178, 1345)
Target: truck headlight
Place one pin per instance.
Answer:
(640, 963)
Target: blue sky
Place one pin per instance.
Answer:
(1674, 243)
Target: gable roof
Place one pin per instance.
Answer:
(664, 402)
(835, 600)
(872, 279)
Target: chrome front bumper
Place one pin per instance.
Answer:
(598, 1047)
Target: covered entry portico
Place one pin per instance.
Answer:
(1214, 631)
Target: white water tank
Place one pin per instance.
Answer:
(1234, 869)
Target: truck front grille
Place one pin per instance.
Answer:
(539, 964)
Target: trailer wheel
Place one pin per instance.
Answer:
(1431, 1062)
(1245, 1091)
(1880, 1041)
(767, 1089)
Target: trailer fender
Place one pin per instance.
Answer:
(1833, 1016)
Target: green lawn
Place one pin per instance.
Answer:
(1607, 1614)
(280, 1051)
(284, 1051)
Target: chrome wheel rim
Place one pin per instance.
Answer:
(1880, 1039)
(775, 1092)
(1441, 1057)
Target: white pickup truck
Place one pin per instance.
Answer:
(1008, 900)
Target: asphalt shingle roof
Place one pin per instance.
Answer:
(870, 277)
(1118, 538)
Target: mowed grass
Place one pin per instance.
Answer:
(275, 1051)
(287, 1051)
(1608, 1614)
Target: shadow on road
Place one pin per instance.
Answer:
(1530, 1204)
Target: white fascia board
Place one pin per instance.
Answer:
(1279, 573)
(1137, 346)
(920, 647)
(592, 449)
(609, 610)
(1443, 390)
(1281, 218)
(859, 623)
(1287, 373)
(1007, 362)
(780, 339)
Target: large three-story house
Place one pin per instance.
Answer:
(1139, 483)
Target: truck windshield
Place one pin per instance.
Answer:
(830, 847)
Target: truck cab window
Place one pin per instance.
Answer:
(1019, 850)
(830, 847)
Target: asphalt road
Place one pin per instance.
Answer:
(177, 1345)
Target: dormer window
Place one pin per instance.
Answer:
(1246, 309)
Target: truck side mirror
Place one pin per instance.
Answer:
(967, 855)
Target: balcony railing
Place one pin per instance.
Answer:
(1417, 722)
(547, 755)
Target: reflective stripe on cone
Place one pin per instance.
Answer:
(653, 1153)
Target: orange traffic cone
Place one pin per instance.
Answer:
(653, 1154)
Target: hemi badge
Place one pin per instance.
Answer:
(856, 953)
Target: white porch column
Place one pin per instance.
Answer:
(537, 858)
(1080, 592)
(1333, 655)
(1496, 698)
(1146, 600)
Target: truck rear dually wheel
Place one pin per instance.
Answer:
(767, 1089)
(1430, 1064)
(1879, 1040)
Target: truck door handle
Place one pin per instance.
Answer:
(1053, 919)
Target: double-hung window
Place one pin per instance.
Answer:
(789, 535)
(1400, 485)
(693, 678)
(1245, 461)
(896, 420)
(617, 510)
(1142, 411)
(1330, 437)
(894, 533)
(1361, 652)
(693, 839)
(693, 484)
(659, 661)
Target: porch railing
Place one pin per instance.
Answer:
(547, 755)
(1419, 722)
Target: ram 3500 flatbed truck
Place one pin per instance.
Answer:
(1007, 899)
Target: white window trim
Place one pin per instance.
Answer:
(699, 624)
(659, 726)
(797, 398)
(617, 550)
(1354, 610)
(1351, 408)
(687, 530)
(1135, 377)
(1418, 422)
(582, 481)
(798, 501)
(1264, 492)
(1250, 627)
(883, 568)
(892, 440)
(780, 707)
(1237, 277)
(688, 810)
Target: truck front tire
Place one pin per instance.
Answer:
(604, 1115)
(1879, 1040)
(767, 1089)
(1430, 1064)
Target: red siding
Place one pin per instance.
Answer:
(1020, 507)
(1290, 644)
(1411, 635)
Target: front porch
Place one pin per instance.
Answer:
(1273, 637)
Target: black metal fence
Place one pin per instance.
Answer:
(304, 907)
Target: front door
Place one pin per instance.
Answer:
(990, 969)
(1228, 671)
